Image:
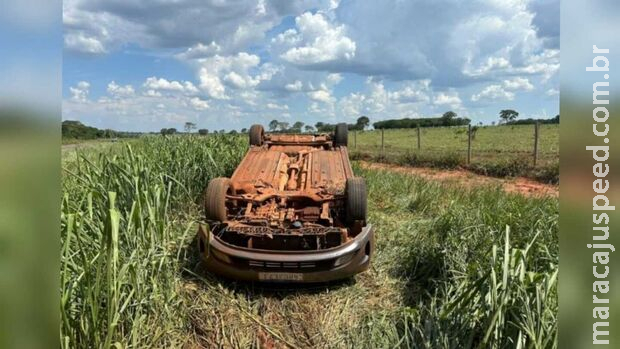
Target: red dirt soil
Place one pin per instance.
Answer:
(519, 185)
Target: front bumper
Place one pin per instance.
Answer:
(287, 266)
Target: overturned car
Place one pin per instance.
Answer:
(293, 211)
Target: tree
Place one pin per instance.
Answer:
(273, 125)
(283, 126)
(319, 125)
(474, 129)
(222, 131)
(244, 130)
(362, 122)
(164, 131)
(203, 132)
(232, 132)
(171, 131)
(508, 115)
(309, 128)
(449, 115)
(297, 126)
(189, 126)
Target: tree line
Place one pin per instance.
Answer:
(448, 118)
(72, 129)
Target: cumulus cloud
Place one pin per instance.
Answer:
(319, 41)
(493, 93)
(160, 84)
(320, 96)
(450, 98)
(294, 86)
(336, 60)
(198, 104)
(99, 25)
(504, 92)
(234, 71)
(79, 92)
(200, 51)
(275, 106)
(552, 92)
(379, 100)
(517, 84)
(119, 91)
(413, 93)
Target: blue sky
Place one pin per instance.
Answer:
(141, 66)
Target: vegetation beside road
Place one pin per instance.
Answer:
(75, 132)
(453, 267)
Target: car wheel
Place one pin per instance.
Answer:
(215, 199)
(356, 199)
(341, 137)
(257, 135)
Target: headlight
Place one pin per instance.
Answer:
(343, 259)
(219, 255)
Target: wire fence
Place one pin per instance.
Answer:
(538, 144)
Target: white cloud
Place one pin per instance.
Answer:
(552, 92)
(198, 104)
(275, 106)
(450, 98)
(504, 92)
(160, 84)
(493, 93)
(211, 84)
(234, 71)
(413, 93)
(200, 51)
(320, 96)
(517, 84)
(294, 87)
(119, 91)
(81, 43)
(334, 78)
(246, 66)
(100, 26)
(80, 92)
(320, 40)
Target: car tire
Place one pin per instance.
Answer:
(356, 204)
(257, 135)
(341, 136)
(215, 199)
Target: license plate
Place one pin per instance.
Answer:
(280, 276)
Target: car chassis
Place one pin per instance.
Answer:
(292, 212)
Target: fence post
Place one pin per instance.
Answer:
(382, 144)
(354, 139)
(468, 144)
(535, 143)
(418, 129)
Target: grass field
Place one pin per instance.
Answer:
(496, 150)
(454, 267)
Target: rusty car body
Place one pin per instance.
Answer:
(293, 211)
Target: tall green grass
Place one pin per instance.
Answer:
(122, 241)
(454, 267)
(479, 266)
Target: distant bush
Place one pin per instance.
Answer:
(77, 130)
(422, 122)
(72, 129)
(530, 121)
